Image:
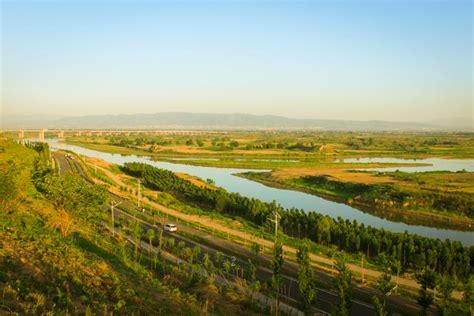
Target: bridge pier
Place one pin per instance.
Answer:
(41, 134)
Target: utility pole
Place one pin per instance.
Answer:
(112, 207)
(276, 220)
(362, 265)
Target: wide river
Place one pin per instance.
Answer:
(224, 178)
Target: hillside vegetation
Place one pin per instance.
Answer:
(56, 256)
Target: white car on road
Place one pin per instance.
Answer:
(170, 227)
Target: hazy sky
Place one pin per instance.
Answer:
(392, 60)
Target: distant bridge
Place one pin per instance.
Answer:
(62, 133)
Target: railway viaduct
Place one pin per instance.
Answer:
(62, 133)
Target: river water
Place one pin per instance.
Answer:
(225, 178)
(436, 164)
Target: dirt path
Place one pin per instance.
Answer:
(215, 225)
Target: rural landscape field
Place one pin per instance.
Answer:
(371, 234)
(237, 158)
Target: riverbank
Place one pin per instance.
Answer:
(407, 216)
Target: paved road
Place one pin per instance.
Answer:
(324, 302)
(62, 162)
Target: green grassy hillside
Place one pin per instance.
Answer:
(56, 257)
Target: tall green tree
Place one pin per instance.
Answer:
(385, 286)
(208, 264)
(150, 234)
(196, 252)
(468, 297)
(277, 264)
(343, 288)
(136, 231)
(427, 281)
(254, 262)
(445, 289)
(384, 282)
(397, 265)
(160, 239)
(380, 307)
(254, 265)
(306, 277)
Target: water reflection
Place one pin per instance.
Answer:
(436, 164)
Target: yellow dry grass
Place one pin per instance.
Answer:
(368, 151)
(98, 162)
(196, 181)
(337, 174)
(258, 152)
(330, 147)
(468, 190)
(196, 150)
(182, 149)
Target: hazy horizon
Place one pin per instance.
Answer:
(224, 121)
(407, 61)
(56, 116)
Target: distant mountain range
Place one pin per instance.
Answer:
(213, 121)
